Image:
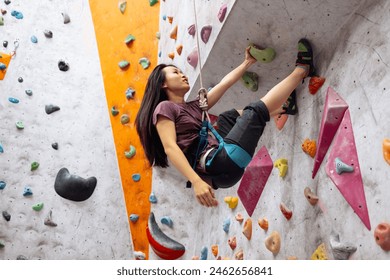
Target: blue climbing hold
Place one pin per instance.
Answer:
(152, 198)
(134, 218)
(34, 39)
(2, 185)
(27, 191)
(1, 149)
(167, 221)
(226, 225)
(203, 253)
(13, 100)
(164, 17)
(3, 66)
(17, 14)
(136, 177)
(29, 92)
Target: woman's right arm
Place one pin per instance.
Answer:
(167, 132)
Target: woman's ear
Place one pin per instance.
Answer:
(164, 85)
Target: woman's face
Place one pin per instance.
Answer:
(175, 81)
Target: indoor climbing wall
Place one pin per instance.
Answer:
(339, 211)
(60, 189)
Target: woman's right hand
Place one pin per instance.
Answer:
(204, 194)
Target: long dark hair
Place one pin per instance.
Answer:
(150, 140)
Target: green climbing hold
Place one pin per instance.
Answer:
(1, 21)
(38, 206)
(153, 2)
(130, 38)
(262, 55)
(19, 125)
(250, 80)
(125, 119)
(114, 111)
(123, 64)
(122, 6)
(34, 166)
(145, 63)
(131, 152)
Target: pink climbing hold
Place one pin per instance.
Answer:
(205, 33)
(349, 184)
(191, 30)
(193, 57)
(255, 177)
(334, 110)
(222, 12)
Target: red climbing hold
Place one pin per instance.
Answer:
(315, 83)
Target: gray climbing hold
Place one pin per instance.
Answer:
(203, 253)
(125, 119)
(13, 100)
(49, 221)
(2, 185)
(136, 177)
(134, 218)
(55, 146)
(34, 166)
(1, 244)
(48, 34)
(19, 125)
(27, 191)
(6, 216)
(130, 93)
(123, 64)
(34, 39)
(114, 111)
(145, 63)
(341, 251)
(17, 14)
(226, 225)
(20, 79)
(130, 38)
(74, 187)
(152, 198)
(63, 66)
(342, 167)
(21, 258)
(130, 153)
(50, 108)
(167, 221)
(66, 18)
(29, 92)
(37, 207)
(122, 6)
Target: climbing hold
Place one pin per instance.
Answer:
(239, 255)
(54, 146)
(125, 119)
(309, 147)
(131, 152)
(167, 221)
(226, 225)
(1, 244)
(73, 187)
(49, 220)
(129, 39)
(203, 253)
(37, 207)
(51, 108)
(386, 150)
(341, 251)
(48, 34)
(171, 55)
(282, 165)
(21, 257)
(34, 39)
(1, 21)
(310, 196)
(19, 125)
(20, 80)
(164, 17)
(315, 84)
(27, 191)
(130, 93)
(232, 241)
(285, 211)
(138, 255)
(2, 185)
(136, 177)
(195, 258)
(179, 49)
(170, 19)
(152, 198)
(205, 33)
(34, 166)
(247, 230)
(273, 242)
(250, 80)
(280, 121)
(134, 217)
(231, 201)
(122, 6)
(7, 2)
(63, 66)
(239, 217)
(320, 253)
(162, 245)
(123, 64)
(66, 18)
(382, 236)
(1, 149)
(13, 100)
(6, 216)
(173, 33)
(263, 223)
(145, 63)
(214, 250)
(193, 57)
(114, 111)
(17, 14)
(342, 167)
(29, 92)
(158, 35)
(262, 55)
(222, 12)
(152, 2)
(254, 179)
(5, 44)
(191, 30)
(3, 66)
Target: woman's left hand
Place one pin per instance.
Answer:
(249, 57)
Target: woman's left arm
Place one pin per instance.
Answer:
(230, 79)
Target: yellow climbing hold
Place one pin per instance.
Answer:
(282, 165)
(320, 253)
(232, 201)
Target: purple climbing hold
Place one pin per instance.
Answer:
(205, 33)
(222, 12)
(192, 30)
(193, 57)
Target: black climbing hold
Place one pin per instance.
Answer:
(21, 257)
(5, 44)
(55, 146)
(63, 66)
(7, 2)
(74, 187)
(51, 108)
(48, 34)
(20, 80)
(6, 216)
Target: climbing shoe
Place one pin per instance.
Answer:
(290, 106)
(305, 56)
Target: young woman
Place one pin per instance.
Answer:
(168, 126)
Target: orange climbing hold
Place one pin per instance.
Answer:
(239, 217)
(239, 255)
(232, 241)
(382, 236)
(315, 84)
(263, 223)
(4, 62)
(214, 250)
(285, 211)
(273, 242)
(171, 55)
(170, 19)
(247, 231)
(311, 197)
(179, 49)
(173, 34)
(309, 147)
(280, 121)
(386, 150)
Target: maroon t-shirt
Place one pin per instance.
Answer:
(188, 122)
